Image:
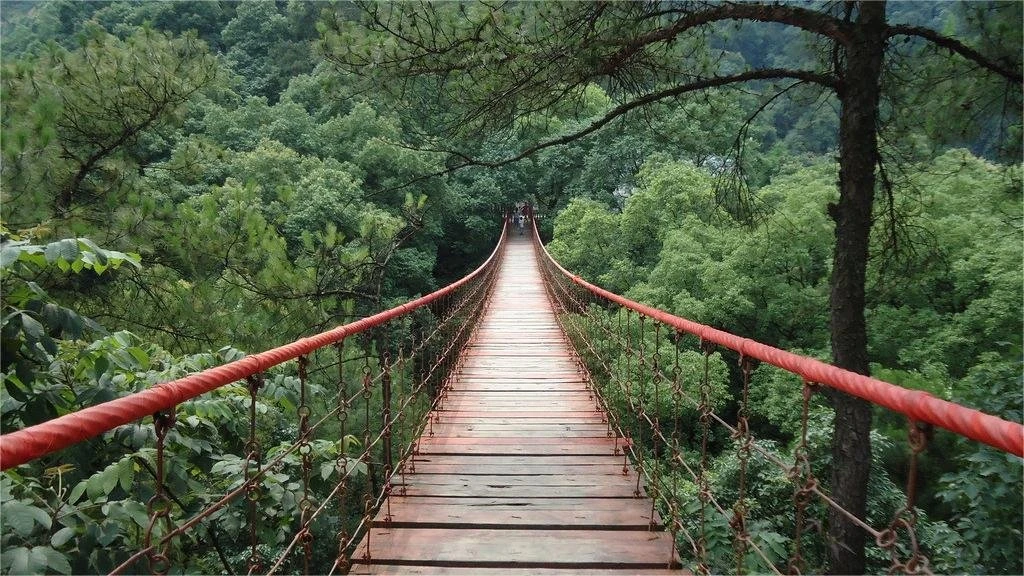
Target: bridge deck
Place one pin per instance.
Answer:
(520, 471)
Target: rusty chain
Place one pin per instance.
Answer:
(804, 482)
(905, 518)
(341, 464)
(252, 489)
(703, 487)
(738, 522)
(159, 506)
(305, 452)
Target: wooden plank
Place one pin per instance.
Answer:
(507, 490)
(533, 469)
(518, 514)
(438, 440)
(536, 503)
(518, 548)
(470, 460)
(444, 413)
(391, 570)
(596, 418)
(520, 449)
(454, 432)
(562, 479)
(566, 425)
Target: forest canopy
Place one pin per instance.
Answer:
(185, 182)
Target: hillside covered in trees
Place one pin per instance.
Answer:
(186, 182)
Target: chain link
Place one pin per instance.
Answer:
(341, 463)
(305, 452)
(385, 415)
(159, 506)
(738, 523)
(703, 487)
(252, 490)
(367, 498)
(803, 481)
(905, 519)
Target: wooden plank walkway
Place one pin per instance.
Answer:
(520, 474)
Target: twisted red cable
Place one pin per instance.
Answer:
(36, 441)
(916, 404)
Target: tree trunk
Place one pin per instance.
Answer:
(858, 158)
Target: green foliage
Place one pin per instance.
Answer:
(76, 120)
(267, 47)
(944, 315)
(31, 320)
(271, 196)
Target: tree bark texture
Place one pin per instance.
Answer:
(858, 157)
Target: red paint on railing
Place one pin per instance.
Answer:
(916, 404)
(36, 441)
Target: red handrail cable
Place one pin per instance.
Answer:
(916, 404)
(36, 441)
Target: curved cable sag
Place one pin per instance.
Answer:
(915, 404)
(24, 445)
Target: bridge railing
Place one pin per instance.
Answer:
(319, 429)
(663, 380)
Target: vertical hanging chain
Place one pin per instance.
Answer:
(641, 382)
(305, 451)
(367, 497)
(656, 376)
(416, 383)
(159, 506)
(410, 390)
(677, 453)
(341, 464)
(385, 417)
(607, 327)
(252, 489)
(906, 517)
(614, 378)
(738, 523)
(703, 487)
(803, 481)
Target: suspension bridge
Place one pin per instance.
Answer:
(493, 433)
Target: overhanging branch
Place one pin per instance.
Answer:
(704, 84)
(825, 80)
(798, 17)
(958, 47)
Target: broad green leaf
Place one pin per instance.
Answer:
(23, 517)
(33, 329)
(359, 467)
(326, 470)
(100, 366)
(61, 537)
(18, 559)
(140, 355)
(137, 512)
(9, 254)
(77, 492)
(61, 250)
(50, 558)
(126, 473)
(101, 257)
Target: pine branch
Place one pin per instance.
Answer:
(957, 47)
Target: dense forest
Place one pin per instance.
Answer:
(186, 182)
